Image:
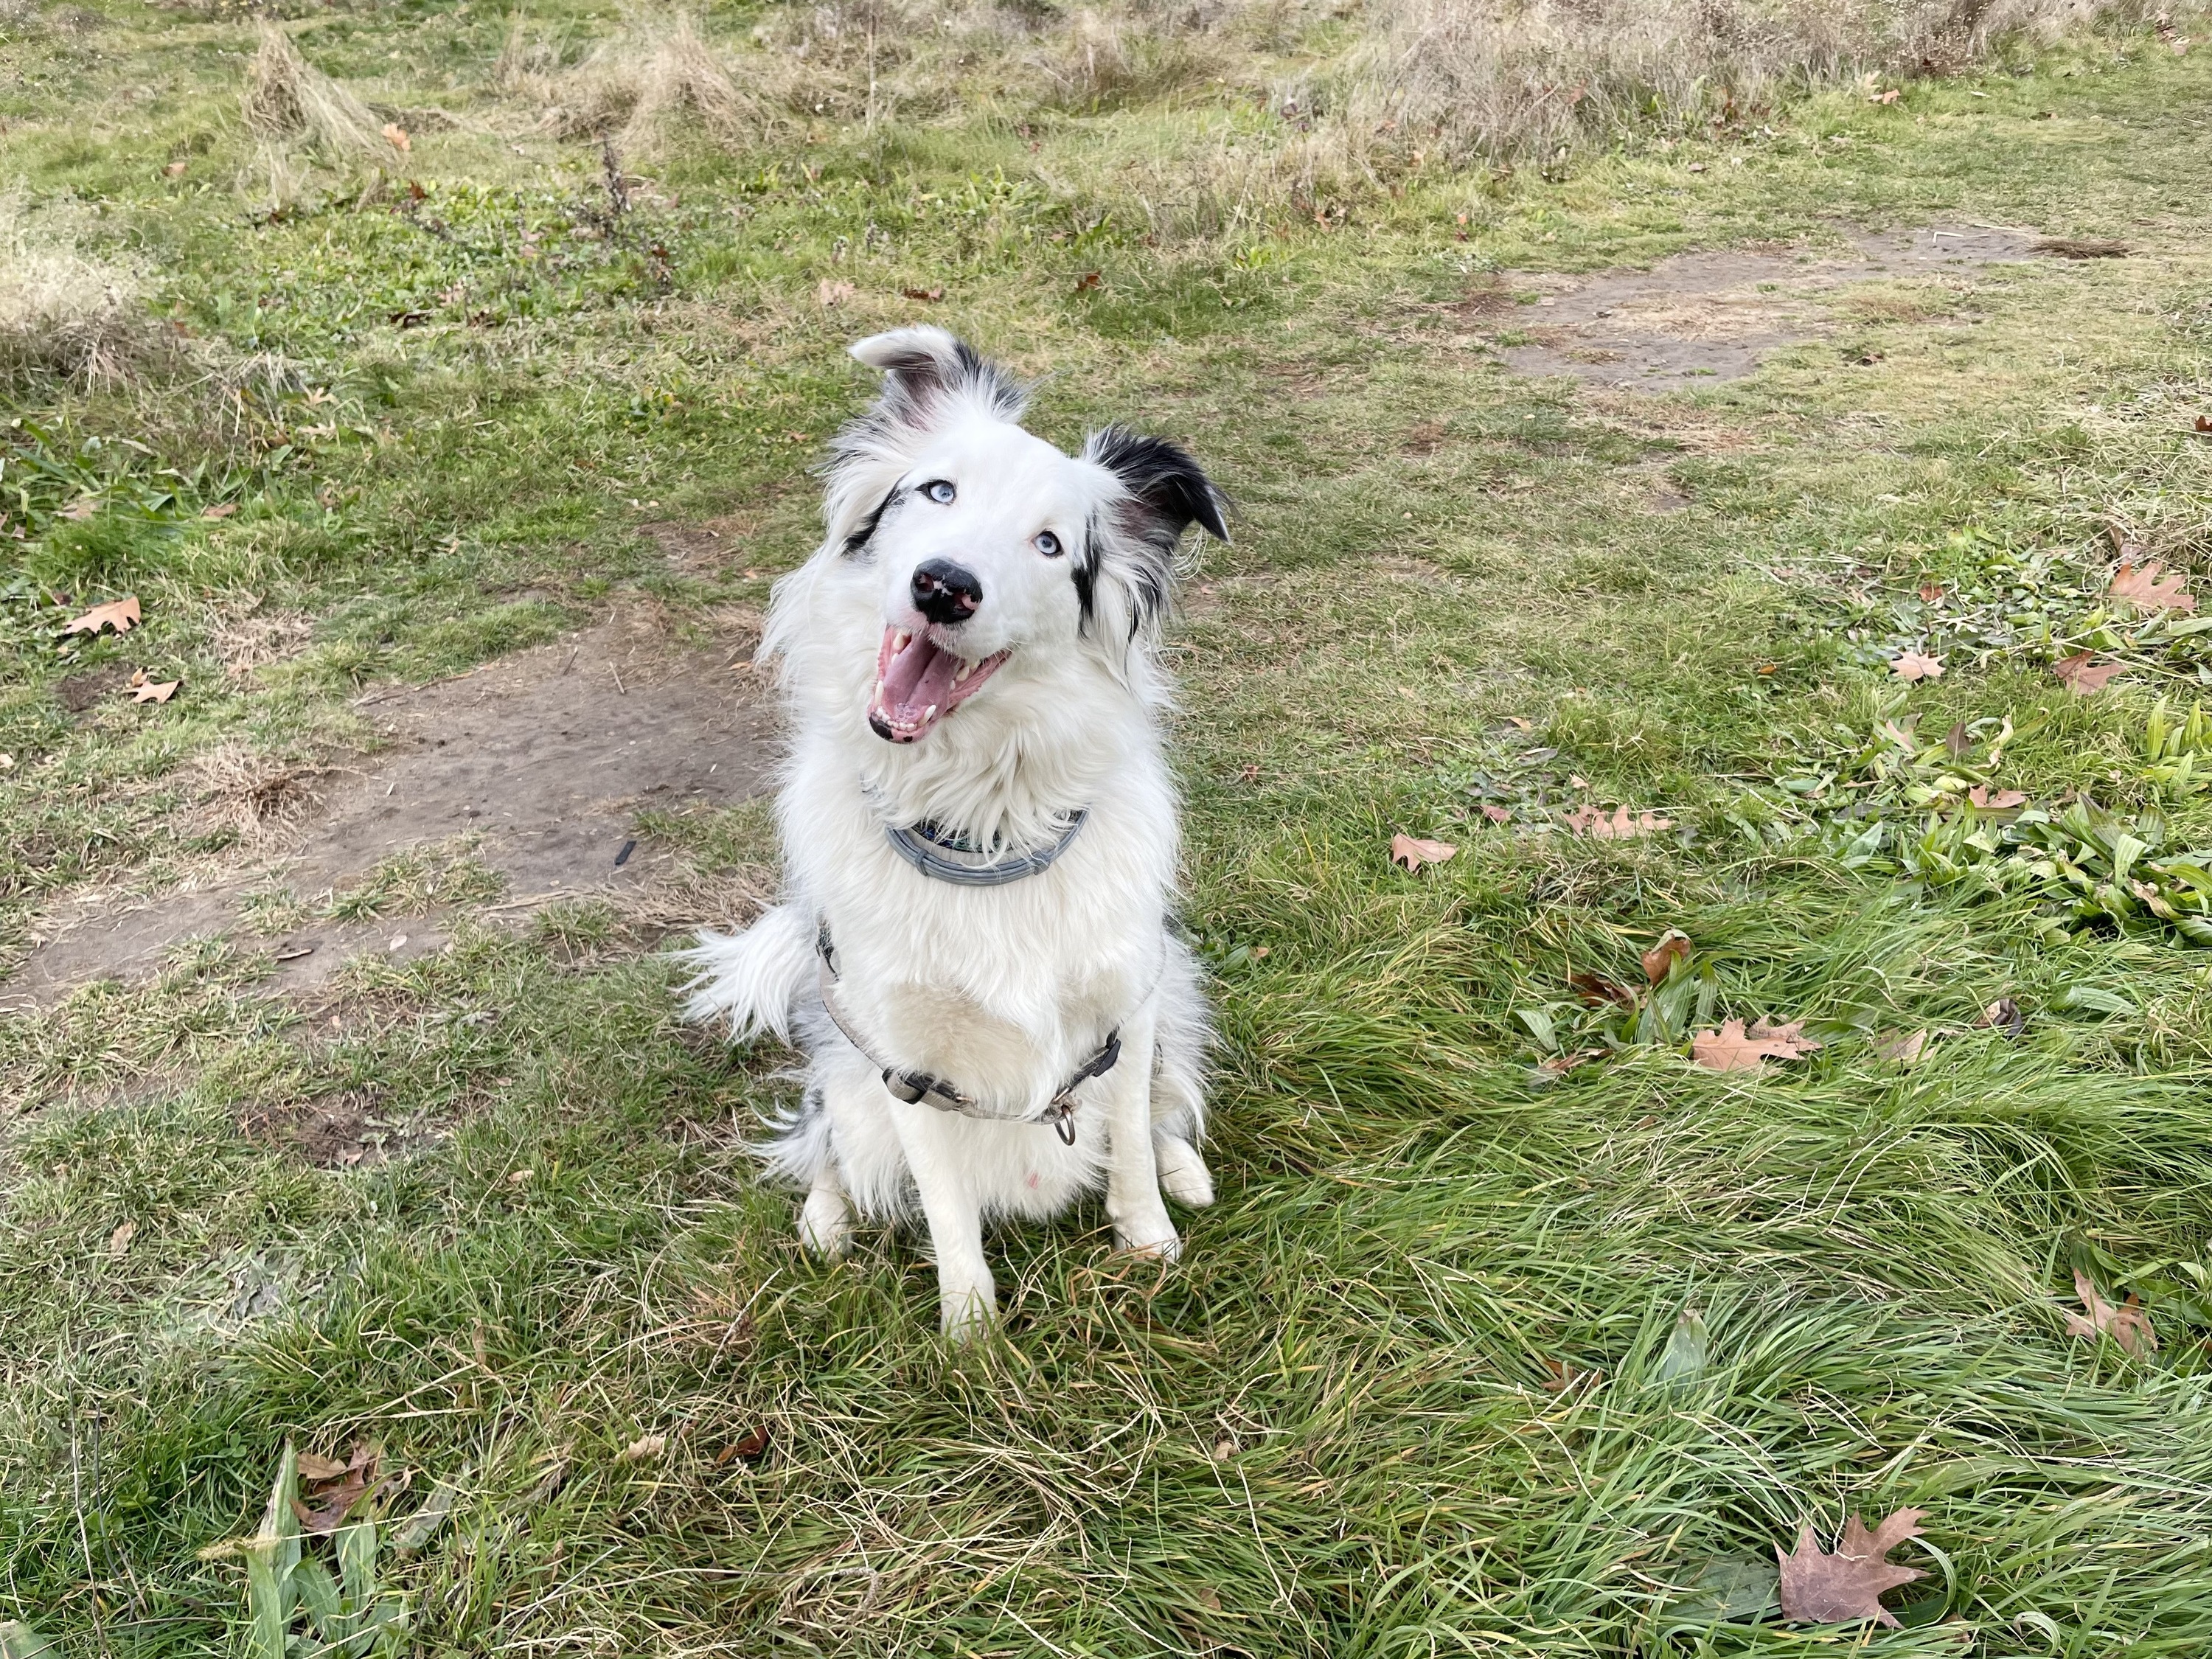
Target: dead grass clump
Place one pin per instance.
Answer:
(658, 76)
(236, 789)
(288, 99)
(64, 311)
(1521, 76)
(1100, 58)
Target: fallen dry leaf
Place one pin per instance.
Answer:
(1596, 991)
(1847, 1586)
(1931, 590)
(2140, 587)
(1410, 853)
(331, 1497)
(396, 135)
(2002, 801)
(928, 295)
(221, 510)
(2203, 423)
(2129, 1327)
(1496, 814)
(749, 1447)
(1902, 1047)
(150, 691)
(2002, 1014)
(1673, 946)
(119, 1240)
(121, 615)
(175, 170)
(2082, 677)
(1566, 1375)
(1958, 742)
(1916, 665)
(827, 292)
(1089, 280)
(80, 510)
(1732, 1049)
(645, 1446)
(1620, 826)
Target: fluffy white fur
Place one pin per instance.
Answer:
(1004, 990)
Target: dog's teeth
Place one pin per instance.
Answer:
(929, 713)
(899, 642)
(962, 673)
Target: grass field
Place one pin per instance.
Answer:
(1476, 1353)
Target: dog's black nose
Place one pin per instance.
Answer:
(946, 593)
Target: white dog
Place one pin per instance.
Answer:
(979, 830)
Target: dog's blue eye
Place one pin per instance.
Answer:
(1048, 544)
(939, 490)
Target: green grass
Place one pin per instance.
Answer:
(1835, 1286)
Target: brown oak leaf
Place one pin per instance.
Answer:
(1596, 991)
(1932, 591)
(2082, 677)
(2129, 1327)
(1732, 1049)
(121, 615)
(1901, 1047)
(1846, 1587)
(1619, 825)
(331, 1497)
(2140, 587)
(2002, 801)
(1673, 946)
(1916, 665)
(1496, 814)
(155, 691)
(1411, 852)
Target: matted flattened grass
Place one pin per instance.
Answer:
(1481, 1350)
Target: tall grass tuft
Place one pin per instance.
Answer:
(63, 311)
(655, 77)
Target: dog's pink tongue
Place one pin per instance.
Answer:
(914, 686)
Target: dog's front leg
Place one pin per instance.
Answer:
(967, 1300)
(1132, 1174)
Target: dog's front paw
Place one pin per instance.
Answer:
(1163, 1243)
(1183, 1174)
(966, 1315)
(825, 1225)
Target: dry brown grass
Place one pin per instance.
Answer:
(236, 788)
(288, 99)
(65, 311)
(1505, 77)
(655, 78)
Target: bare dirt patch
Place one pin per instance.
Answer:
(1698, 318)
(542, 762)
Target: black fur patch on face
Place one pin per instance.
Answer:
(865, 532)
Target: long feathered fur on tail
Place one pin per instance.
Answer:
(754, 979)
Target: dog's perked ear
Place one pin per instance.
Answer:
(928, 375)
(1163, 492)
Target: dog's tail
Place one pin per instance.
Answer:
(754, 979)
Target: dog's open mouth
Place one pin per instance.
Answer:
(918, 684)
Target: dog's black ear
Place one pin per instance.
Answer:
(923, 366)
(1167, 489)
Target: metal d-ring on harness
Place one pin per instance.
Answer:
(918, 845)
(912, 1086)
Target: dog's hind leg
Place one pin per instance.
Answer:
(825, 1224)
(1132, 1173)
(1179, 1084)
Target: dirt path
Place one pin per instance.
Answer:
(547, 756)
(1698, 318)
